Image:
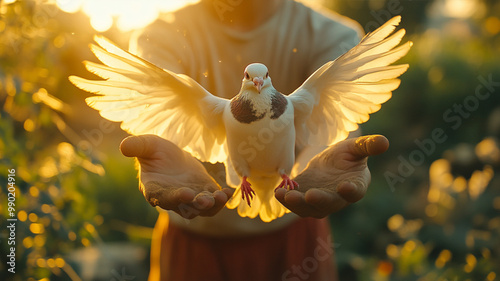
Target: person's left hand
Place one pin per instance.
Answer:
(334, 178)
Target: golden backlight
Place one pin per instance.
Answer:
(125, 14)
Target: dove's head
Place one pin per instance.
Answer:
(256, 77)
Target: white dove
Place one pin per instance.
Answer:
(254, 134)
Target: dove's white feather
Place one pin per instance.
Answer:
(264, 204)
(263, 162)
(383, 31)
(342, 93)
(329, 104)
(151, 100)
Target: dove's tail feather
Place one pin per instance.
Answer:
(263, 204)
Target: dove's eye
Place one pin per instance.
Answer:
(247, 76)
(267, 74)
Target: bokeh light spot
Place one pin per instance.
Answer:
(60, 262)
(488, 151)
(395, 222)
(51, 263)
(33, 217)
(41, 262)
(409, 246)
(72, 236)
(34, 191)
(471, 263)
(22, 215)
(46, 208)
(69, 6)
(59, 41)
(459, 184)
(39, 241)
(384, 268)
(28, 242)
(90, 228)
(29, 125)
(492, 25)
(37, 228)
(443, 258)
(392, 251)
(85, 242)
(460, 8)
(479, 181)
(101, 23)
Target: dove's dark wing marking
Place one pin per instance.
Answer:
(342, 93)
(149, 100)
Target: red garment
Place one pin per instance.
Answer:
(301, 251)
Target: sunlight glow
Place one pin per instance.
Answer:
(101, 22)
(51, 101)
(126, 14)
(69, 6)
(460, 8)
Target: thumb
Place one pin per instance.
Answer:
(143, 146)
(369, 145)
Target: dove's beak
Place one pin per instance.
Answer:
(258, 82)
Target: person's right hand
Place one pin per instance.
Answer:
(174, 180)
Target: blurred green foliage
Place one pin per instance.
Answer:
(438, 221)
(68, 196)
(441, 219)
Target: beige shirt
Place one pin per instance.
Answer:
(293, 43)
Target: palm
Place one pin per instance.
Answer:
(333, 179)
(172, 179)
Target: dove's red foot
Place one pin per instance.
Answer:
(287, 183)
(247, 192)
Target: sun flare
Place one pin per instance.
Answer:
(125, 14)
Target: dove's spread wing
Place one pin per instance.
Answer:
(151, 100)
(341, 93)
